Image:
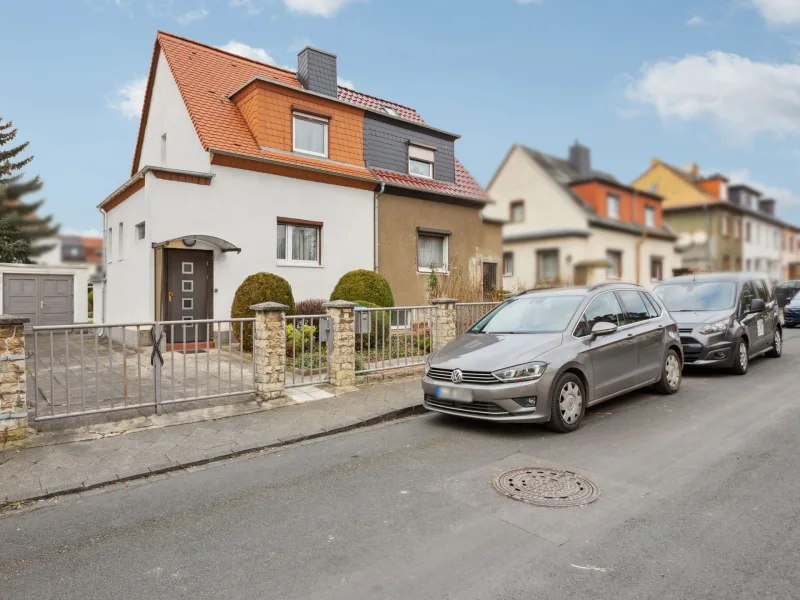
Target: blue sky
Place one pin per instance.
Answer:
(715, 82)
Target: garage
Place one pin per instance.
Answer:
(46, 296)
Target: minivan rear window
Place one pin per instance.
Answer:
(697, 295)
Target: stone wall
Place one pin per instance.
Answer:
(445, 321)
(13, 404)
(269, 349)
(342, 343)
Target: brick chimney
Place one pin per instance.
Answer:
(316, 71)
(716, 185)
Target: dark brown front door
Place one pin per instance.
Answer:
(189, 280)
(489, 279)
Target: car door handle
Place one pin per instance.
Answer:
(629, 336)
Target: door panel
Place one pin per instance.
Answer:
(647, 333)
(56, 299)
(188, 276)
(750, 322)
(21, 296)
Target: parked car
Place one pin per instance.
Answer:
(544, 356)
(791, 312)
(786, 291)
(725, 319)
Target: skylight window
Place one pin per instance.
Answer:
(390, 110)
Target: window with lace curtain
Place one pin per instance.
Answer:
(298, 242)
(432, 250)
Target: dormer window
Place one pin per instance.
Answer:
(613, 206)
(390, 111)
(420, 161)
(310, 134)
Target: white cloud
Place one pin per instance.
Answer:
(241, 49)
(786, 198)
(129, 98)
(190, 16)
(317, 8)
(743, 97)
(695, 21)
(253, 7)
(345, 83)
(779, 12)
(95, 233)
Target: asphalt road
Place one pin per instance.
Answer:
(699, 500)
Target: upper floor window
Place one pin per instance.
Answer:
(737, 229)
(298, 242)
(508, 264)
(748, 232)
(121, 240)
(613, 206)
(726, 227)
(140, 231)
(650, 216)
(517, 211)
(614, 258)
(310, 134)
(109, 243)
(420, 161)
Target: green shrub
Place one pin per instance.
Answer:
(297, 342)
(258, 288)
(364, 286)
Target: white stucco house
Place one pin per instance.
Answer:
(763, 235)
(570, 224)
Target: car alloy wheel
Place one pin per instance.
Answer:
(570, 402)
(778, 342)
(673, 370)
(743, 355)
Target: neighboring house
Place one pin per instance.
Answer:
(571, 224)
(242, 167)
(75, 250)
(721, 227)
(790, 257)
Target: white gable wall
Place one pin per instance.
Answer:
(547, 205)
(168, 114)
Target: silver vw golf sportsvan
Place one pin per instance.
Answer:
(544, 356)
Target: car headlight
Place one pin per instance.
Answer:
(717, 327)
(428, 363)
(526, 372)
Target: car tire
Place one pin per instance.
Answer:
(741, 357)
(670, 381)
(777, 345)
(567, 404)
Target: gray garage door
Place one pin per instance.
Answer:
(44, 299)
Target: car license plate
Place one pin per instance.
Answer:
(454, 393)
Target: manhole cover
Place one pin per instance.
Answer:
(546, 487)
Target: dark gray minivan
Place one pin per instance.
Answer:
(724, 319)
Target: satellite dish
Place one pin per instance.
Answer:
(699, 237)
(684, 240)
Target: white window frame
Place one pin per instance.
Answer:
(424, 162)
(618, 201)
(445, 253)
(508, 261)
(618, 253)
(110, 244)
(517, 204)
(421, 157)
(288, 261)
(650, 211)
(390, 111)
(121, 241)
(141, 230)
(314, 119)
(725, 225)
(660, 261)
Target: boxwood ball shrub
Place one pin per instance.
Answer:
(363, 286)
(258, 288)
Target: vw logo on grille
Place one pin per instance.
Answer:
(456, 376)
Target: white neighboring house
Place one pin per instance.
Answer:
(570, 224)
(762, 243)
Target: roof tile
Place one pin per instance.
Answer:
(464, 187)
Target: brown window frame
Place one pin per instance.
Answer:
(540, 254)
(508, 256)
(511, 211)
(619, 271)
(659, 260)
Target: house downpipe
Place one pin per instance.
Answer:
(376, 241)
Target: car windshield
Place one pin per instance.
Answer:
(795, 301)
(697, 295)
(530, 314)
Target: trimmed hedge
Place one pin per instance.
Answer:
(364, 286)
(314, 306)
(255, 289)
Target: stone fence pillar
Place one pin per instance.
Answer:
(13, 404)
(269, 349)
(341, 343)
(444, 320)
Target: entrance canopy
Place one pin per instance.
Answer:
(191, 240)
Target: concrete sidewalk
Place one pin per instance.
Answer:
(42, 471)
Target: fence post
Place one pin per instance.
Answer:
(342, 343)
(444, 321)
(13, 404)
(269, 349)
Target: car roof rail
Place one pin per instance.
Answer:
(597, 286)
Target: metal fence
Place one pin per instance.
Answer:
(307, 350)
(391, 338)
(469, 313)
(97, 368)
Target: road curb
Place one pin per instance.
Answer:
(144, 472)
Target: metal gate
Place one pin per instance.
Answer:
(89, 369)
(307, 350)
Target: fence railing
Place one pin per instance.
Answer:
(390, 338)
(97, 368)
(307, 350)
(469, 313)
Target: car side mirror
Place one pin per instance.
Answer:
(603, 328)
(757, 305)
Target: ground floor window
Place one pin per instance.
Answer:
(508, 264)
(547, 266)
(298, 242)
(432, 251)
(614, 258)
(656, 268)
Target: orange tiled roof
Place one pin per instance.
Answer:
(206, 76)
